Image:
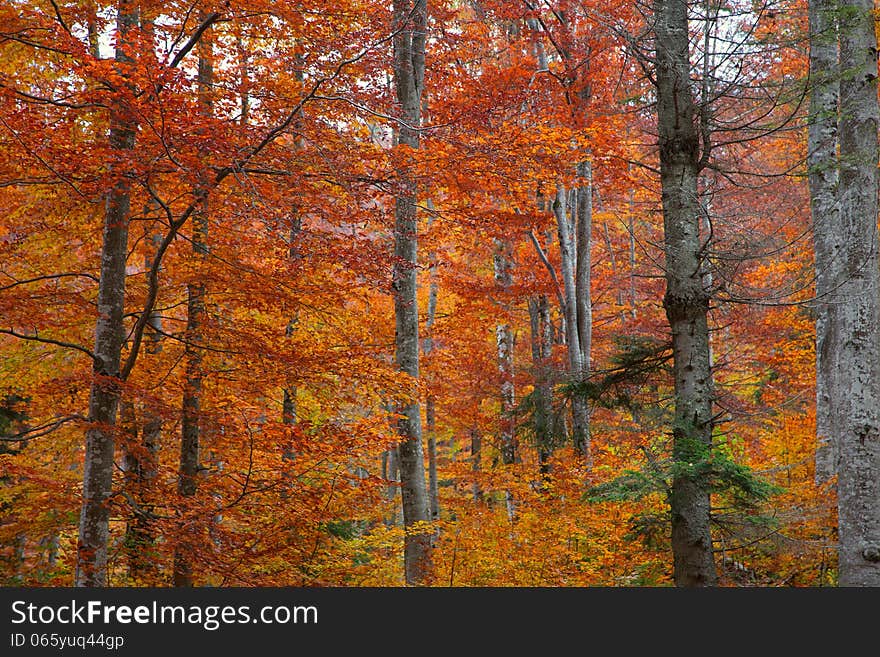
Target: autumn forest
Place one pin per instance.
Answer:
(458, 293)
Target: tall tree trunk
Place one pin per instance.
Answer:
(686, 301)
(825, 211)
(853, 322)
(583, 296)
(191, 423)
(94, 529)
(288, 404)
(410, 32)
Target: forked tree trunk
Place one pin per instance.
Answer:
(573, 235)
(94, 529)
(410, 26)
(853, 322)
(686, 301)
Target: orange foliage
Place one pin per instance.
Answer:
(301, 161)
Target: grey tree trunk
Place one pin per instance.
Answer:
(827, 246)
(191, 422)
(686, 301)
(853, 322)
(91, 559)
(576, 300)
(410, 32)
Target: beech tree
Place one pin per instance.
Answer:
(852, 331)
(410, 36)
(824, 180)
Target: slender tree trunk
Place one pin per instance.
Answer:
(502, 259)
(191, 423)
(141, 466)
(686, 301)
(288, 405)
(134, 458)
(853, 322)
(825, 211)
(410, 26)
(391, 473)
(94, 530)
(583, 297)
(542, 345)
(288, 402)
(430, 402)
(631, 229)
(503, 264)
(476, 463)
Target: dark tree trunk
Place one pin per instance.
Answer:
(191, 421)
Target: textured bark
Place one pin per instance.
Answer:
(410, 26)
(823, 180)
(91, 561)
(191, 423)
(686, 301)
(853, 322)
